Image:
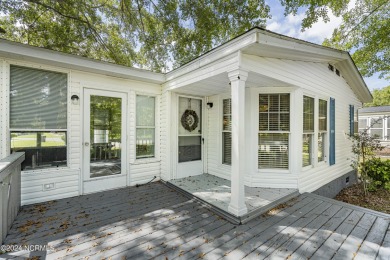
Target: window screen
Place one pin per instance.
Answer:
(38, 116)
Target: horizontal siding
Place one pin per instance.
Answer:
(66, 184)
(144, 172)
(164, 136)
(315, 78)
(214, 136)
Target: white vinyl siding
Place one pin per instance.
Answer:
(145, 124)
(38, 116)
(227, 132)
(274, 128)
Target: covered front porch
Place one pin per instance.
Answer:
(216, 193)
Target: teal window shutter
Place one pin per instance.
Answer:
(332, 134)
(351, 120)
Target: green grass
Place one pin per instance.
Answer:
(29, 140)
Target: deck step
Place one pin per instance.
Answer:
(231, 217)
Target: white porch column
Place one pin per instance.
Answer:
(237, 202)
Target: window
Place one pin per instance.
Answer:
(388, 129)
(274, 130)
(362, 124)
(227, 132)
(376, 129)
(38, 116)
(145, 126)
(322, 128)
(308, 130)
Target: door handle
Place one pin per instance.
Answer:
(86, 144)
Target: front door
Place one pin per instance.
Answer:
(190, 139)
(104, 143)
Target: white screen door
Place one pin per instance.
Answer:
(190, 140)
(104, 140)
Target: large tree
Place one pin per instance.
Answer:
(364, 30)
(153, 34)
(381, 97)
(161, 34)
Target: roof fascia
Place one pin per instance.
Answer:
(19, 51)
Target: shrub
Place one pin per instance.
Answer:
(378, 171)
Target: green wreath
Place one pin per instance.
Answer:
(189, 120)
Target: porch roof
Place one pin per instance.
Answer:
(264, 43)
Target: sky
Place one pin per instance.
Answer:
(291, 26)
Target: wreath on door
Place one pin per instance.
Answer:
(189, 119)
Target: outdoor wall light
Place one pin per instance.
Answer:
(75, 99)
(210, 104)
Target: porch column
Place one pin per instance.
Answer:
(237, 202)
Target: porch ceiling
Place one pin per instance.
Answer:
(220, 84)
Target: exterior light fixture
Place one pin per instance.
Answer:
(210, 104)
(75, 99)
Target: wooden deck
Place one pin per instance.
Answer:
(153, 221)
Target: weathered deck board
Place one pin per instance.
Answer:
(155, 222)
(307, 249)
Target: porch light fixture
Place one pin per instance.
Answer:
(75, 99)
(210, 104)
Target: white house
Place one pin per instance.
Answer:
(376, 121)
(262, 110)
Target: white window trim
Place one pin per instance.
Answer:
(32, 65)
(220, 130)
(255, 127)
(315, 162)
(156, 157)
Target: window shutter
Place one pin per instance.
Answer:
(332, 135)
(351, 119)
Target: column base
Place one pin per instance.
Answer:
(237, 211)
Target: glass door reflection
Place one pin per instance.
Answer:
(105, 136)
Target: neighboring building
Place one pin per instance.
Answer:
(376, 121)
(262, 110)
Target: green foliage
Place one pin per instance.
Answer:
(148, 34)
(378, 171)
(365, 31)
(381, 97)
(364, 147)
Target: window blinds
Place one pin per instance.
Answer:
(38, 99)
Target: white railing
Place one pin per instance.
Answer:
(10, 185)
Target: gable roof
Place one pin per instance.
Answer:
(256, 41)
(261, 42)
(378, 109)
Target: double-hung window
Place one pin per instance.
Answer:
(322, 128)
(308, 130)
(363, 124)
(387, 137)
(274, 130)
(376, 129)
(227, 131)
(145, 126)
(38, 116)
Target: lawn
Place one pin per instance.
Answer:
(30, 140)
